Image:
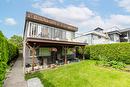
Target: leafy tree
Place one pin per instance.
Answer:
(1, 34)
(16, 40)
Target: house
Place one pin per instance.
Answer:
(119, 35)
(93, 37)
(125, 35)
(47, 41)
(101, 36)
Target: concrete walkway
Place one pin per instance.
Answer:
(16, 75)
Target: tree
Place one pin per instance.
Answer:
(16, 40)
(82, 50)
(1, 34)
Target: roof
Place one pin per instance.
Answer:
(99, 34)
(98, 28)
(114, 32)
(119, 31)
(95, 33)
(124, 30)
(50, 22)
(111, 29)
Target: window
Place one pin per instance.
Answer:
(39, 31)
(63, 34)
(88, 38)
(99, 37)
(68, 35)
(45, 31)
(57, 33)
(48, 32)
(72, 35)
(33, 29)
(124, 37)
(95, 37)
(111, 37)
(60, 34)
(53, 33)
(30, 30)
(44, 52)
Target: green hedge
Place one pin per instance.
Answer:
(7, 52)
(13, 52)
(116, 51)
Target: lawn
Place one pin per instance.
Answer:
(82, 74)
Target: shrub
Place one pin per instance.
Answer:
(13, 52)
(119, 52)
(3, 57)
(113, 64)
(117, 65)
(7, 52)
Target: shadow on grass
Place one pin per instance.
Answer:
(44, 81)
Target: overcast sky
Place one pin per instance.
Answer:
(85, 14)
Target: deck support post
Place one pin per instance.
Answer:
(74, 52)
(65, 49)
(33, 58)
(33, 49)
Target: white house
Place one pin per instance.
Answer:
(100, 36)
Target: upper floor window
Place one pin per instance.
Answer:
(45, 32)
(48, 32)
(33, 30)
(58, 34)
(68, 35)
(63, 34)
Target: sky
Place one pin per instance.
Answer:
(84, 14)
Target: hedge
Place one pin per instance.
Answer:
(13, 52)
(116, 51)
(7, 52)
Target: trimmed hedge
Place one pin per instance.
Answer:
(7, 52)
(117, 51)
(13, 52)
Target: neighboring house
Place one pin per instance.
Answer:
(114, 36)
(119, 35)
(125, 35)
(93, 37)
(100, 36)
(46, 41)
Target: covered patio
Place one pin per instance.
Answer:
(47, 53)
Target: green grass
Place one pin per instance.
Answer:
(82, 74)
